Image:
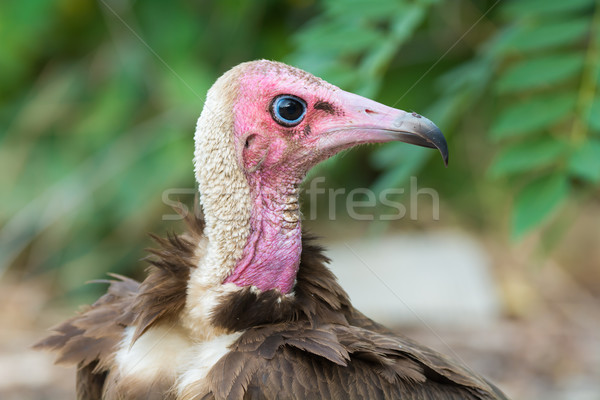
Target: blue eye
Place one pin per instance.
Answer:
(288, 110)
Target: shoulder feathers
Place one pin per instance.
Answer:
(312, 344)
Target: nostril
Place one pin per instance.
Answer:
(370, 111)
(249, 140)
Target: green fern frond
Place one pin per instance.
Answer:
(548, 91)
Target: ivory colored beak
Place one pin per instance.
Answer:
(366, 121)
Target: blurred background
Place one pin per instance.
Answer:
(98, 104)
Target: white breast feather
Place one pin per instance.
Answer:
(204, 356)
(157, 353)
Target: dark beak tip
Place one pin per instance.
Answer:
(438, 141)
(443, 149)
(422, 131)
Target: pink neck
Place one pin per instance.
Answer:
(272, 254)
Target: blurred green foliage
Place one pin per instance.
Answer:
(549, 81)
(98, 102)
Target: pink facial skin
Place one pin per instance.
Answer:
(276, 158)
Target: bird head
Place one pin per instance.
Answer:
(286, 121)
(263, 126)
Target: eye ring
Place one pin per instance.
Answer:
(288, 110)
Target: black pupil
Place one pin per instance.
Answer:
(290, 109)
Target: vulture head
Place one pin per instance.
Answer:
(235, 308)
(263, 126)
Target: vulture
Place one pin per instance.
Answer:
(242, 305)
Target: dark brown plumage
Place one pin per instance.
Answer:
(314, 345)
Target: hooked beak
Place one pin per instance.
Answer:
(365, 121)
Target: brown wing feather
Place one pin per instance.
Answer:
(316, 345)
(284, 366)
(90, 339)
(89, 384)
(311, 345)
(92, 335)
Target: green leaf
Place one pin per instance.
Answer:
(359, 9)
(594, 119)
(527, 155)
(450, 108)
(407, 162)
(532, 8)
(585, 161)
(342, 38)
(536, 202)
(549, 34)
(394, 154)
(531, 115)
(112, 107)
(540, 72)
(467, 76)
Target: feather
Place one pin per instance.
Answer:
(310, 344)
(316, 337)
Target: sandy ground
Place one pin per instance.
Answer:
(26, 374)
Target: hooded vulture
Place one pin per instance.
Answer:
(243, 306)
